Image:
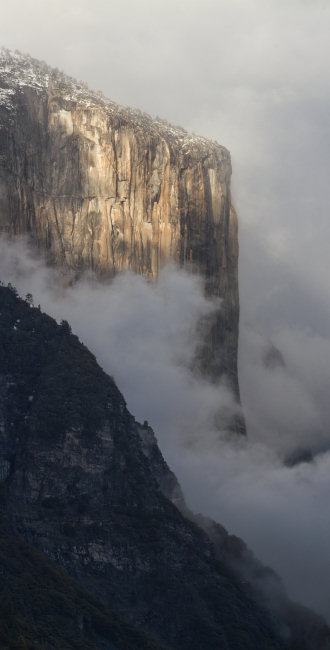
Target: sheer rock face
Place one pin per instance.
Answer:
(101, 187)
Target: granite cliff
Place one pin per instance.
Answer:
(86, 493)
(98, 186)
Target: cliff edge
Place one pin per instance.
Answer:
(103, 187)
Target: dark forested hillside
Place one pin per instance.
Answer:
(41, 607)
(81, 484)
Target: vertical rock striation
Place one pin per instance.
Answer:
(102, 187)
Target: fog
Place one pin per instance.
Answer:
(252, 74)
(145, 335)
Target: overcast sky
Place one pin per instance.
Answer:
(254, 75)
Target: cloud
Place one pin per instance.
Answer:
(145, 335)
(281, 512)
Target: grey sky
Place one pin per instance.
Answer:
(254, 75)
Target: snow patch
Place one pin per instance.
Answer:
(18, 71)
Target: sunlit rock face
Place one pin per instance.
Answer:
(102, 187)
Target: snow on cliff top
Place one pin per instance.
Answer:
(19, 71)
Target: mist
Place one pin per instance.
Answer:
(145, 335)
(252, 74)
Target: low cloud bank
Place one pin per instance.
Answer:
(262, 489)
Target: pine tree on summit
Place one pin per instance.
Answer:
(65, 327)
(29, 299)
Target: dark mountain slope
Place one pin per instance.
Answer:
(78, 485)
(41, 607)
(306, 629)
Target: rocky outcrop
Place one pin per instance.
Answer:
(86, 485)
(43, 608)
(102, 187)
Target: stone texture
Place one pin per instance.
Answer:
(102, 187)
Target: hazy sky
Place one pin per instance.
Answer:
(254, 75)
